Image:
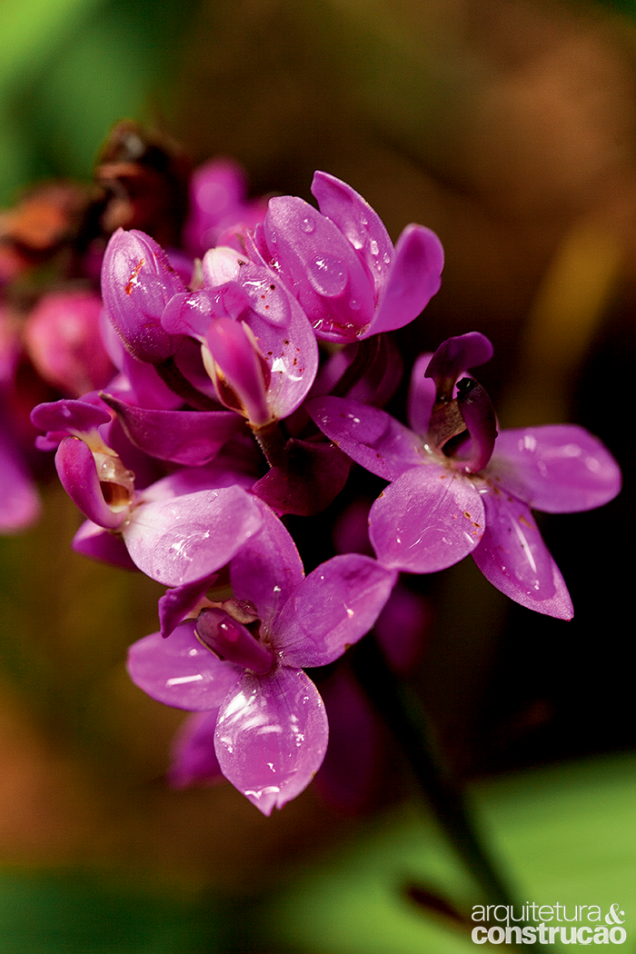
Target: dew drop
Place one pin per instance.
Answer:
(373, 246)
(327, 275)
(354, 304)
(387, 258)
(308, 225)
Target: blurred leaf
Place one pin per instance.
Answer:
(566, 834)
(72, 913)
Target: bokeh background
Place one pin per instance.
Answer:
(509, 127)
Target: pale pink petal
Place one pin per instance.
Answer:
(271, 736)
(426, 520)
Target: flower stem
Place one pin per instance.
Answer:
(272, 440)
(402, 711)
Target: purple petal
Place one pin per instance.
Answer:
(421, 396)
(184, 437)
(454, 356)
(179, 671)
(353, 768)
(78, 474)
(402, 629)
(271, 736)
(268, 568)
(180, 601)
(190, 313)
(230, 640)
(558, 468)
(140, 384)
(194, 760)
(479, 414)
(137, 284)
(183, 539)
(99, 544)
(262, 287)
(317, 261)
(358, 222)
(426, 520)
(414, 278)
(240, 372)
(332, 609)
(19, 500)
(514, 558)
(292, 356)
(368, 435)
(68, 417)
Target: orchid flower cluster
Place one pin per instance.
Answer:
(248, 383)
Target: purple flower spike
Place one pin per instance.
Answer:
(137, 283)
(342, 266)
(458, 488)
(271, 731)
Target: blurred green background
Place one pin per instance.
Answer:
(508, 126)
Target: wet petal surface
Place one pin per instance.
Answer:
(179, 671)
(514, 558)
(332, 609)
(426, 520)
(558, 468)
(271, 736)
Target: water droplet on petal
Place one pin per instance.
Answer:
(373, 246)
(327, 275)
(387, 258)
(308, 225)
(354, 304)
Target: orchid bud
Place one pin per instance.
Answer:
(63, 339)
(137, 284)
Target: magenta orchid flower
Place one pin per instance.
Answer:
(458, 488)
(341, 263)
(242, 661)
(179, 530)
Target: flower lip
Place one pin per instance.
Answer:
(231, 640)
